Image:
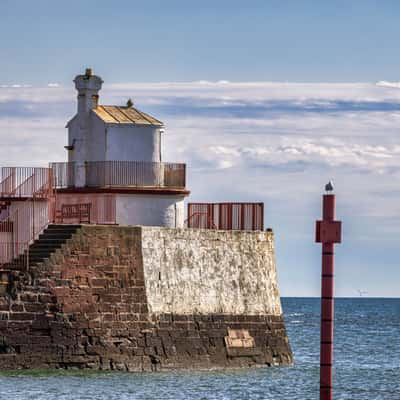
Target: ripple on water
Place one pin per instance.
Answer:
(367, 359)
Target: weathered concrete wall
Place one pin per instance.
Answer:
(190, 271)
(87, 307)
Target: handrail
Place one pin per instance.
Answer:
(23, 227)
(210, 222)
(119, 174)
(4, 183)
(25, 182)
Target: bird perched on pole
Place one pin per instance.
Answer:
(329, 186)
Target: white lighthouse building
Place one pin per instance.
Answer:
(115, 164)
(114, 175)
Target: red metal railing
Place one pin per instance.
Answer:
(227, 216)
(121, 173)
(201, 220)
(102, 207)
(63, 174)
(25, 182)
(26, 220)
(134, 173)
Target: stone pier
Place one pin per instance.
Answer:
(146, 299)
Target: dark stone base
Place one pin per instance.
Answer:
(169, 342)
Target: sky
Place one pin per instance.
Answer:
(264, 100)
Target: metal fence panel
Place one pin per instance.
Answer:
(226, 216)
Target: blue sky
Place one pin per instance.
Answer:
(184, 40)
(265, 102)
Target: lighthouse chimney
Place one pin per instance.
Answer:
(88, 87)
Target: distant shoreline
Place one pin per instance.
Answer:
(340, 297)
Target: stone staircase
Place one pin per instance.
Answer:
(52, 238)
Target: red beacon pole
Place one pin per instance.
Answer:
(328, 232)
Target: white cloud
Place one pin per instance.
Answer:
(389, 84)
(252, 141)
(252, 132)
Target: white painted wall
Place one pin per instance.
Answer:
(97, 139)
(150, 210)
(77, 136)
(133, 143)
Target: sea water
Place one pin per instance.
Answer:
(367, 365)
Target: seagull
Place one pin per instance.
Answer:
(329, 186)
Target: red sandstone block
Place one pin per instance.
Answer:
(64, 341)
(17, 307)
(114, 291)
(143, 308)
(105, 307)
(150, 351)
(40, 324)
(3, 324)
(111, 298)
(22, 316)
(135, 308)
(99, 291)
(139, 351)
(43, 298)
(62, 282)
(193, 334)
(142, 325)
(70, 308)
(19, 325)
(98, 282)
(176, 334)
(53, 308)
(46, 283)
(36, 308)
(62, 291)
(95, 350)
(108, 317)
(34, 340)
(28, 297)
(89, 308)
(217, 333)
(127, 298)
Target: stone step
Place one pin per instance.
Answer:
(52, 238)
(47, 250)
(57, 231)
(55, 235)
(38, 253)
(48, 242)
(63, 227)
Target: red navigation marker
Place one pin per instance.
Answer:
(328, 232)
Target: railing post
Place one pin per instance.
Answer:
(80, 174)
